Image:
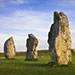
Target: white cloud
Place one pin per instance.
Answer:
(67, 3)
(72, 31)
(6, 3)
(17, 1)
(22, 1)
(19, 41)
(2, 3)
(3, 37)
(22, 20)
(25, 22)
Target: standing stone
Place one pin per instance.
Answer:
(31, 45)
(9, 48)
(59, 40)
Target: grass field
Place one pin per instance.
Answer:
(18, 66)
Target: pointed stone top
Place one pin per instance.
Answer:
(31, 36)
(11, 37)
(62, 14)
(57, 16)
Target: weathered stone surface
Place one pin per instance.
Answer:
(59, 39)
(31, 45)
(9, 48)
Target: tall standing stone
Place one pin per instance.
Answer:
(31, 45)
(59, 39)
(9, 48)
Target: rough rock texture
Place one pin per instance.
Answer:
(31, 45)
(9, 48)
(59, 39)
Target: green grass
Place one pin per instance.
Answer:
(19, 66)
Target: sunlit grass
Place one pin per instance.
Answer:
(19, 66)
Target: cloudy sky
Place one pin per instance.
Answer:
(18, 18)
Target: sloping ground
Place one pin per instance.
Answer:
(19, 66)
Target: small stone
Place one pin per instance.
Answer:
(9, 48)
(32, 43)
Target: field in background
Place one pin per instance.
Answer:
(19, 66)
(40, 53)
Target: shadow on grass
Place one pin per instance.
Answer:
(6, 59)
(52, 64)
(33, 63)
